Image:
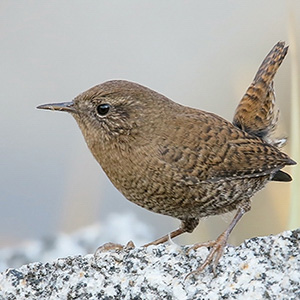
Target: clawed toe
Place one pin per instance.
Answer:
(216, 251)
(115, 247)
(217, 246)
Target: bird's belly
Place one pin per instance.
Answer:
(196, 201)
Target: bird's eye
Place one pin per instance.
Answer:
(103, 109)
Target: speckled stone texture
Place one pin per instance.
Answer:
(260, 268)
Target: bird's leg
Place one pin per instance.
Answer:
(166, 237)
(219, 244)
(187, 225)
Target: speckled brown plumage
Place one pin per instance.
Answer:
(256, 112)
(176, 160)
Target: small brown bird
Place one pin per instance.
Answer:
(179, 161)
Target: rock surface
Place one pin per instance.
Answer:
(117, 228)
(260, 268)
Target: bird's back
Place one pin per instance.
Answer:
(197, 161)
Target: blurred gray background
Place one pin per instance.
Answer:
(199, 53)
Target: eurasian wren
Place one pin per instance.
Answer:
(180, 161)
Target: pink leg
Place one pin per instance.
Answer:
(217, 245)
(186, 226)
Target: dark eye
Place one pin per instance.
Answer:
(103, 109)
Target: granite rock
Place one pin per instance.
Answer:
(260, 268)
(117, 228)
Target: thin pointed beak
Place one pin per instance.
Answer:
(65, 106)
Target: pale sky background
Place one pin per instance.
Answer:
(199, 53)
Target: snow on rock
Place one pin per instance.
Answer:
(260, 268)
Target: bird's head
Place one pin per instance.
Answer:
(116, 110)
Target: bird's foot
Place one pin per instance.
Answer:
(216, 251)
(114, 247)
(115, 251)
